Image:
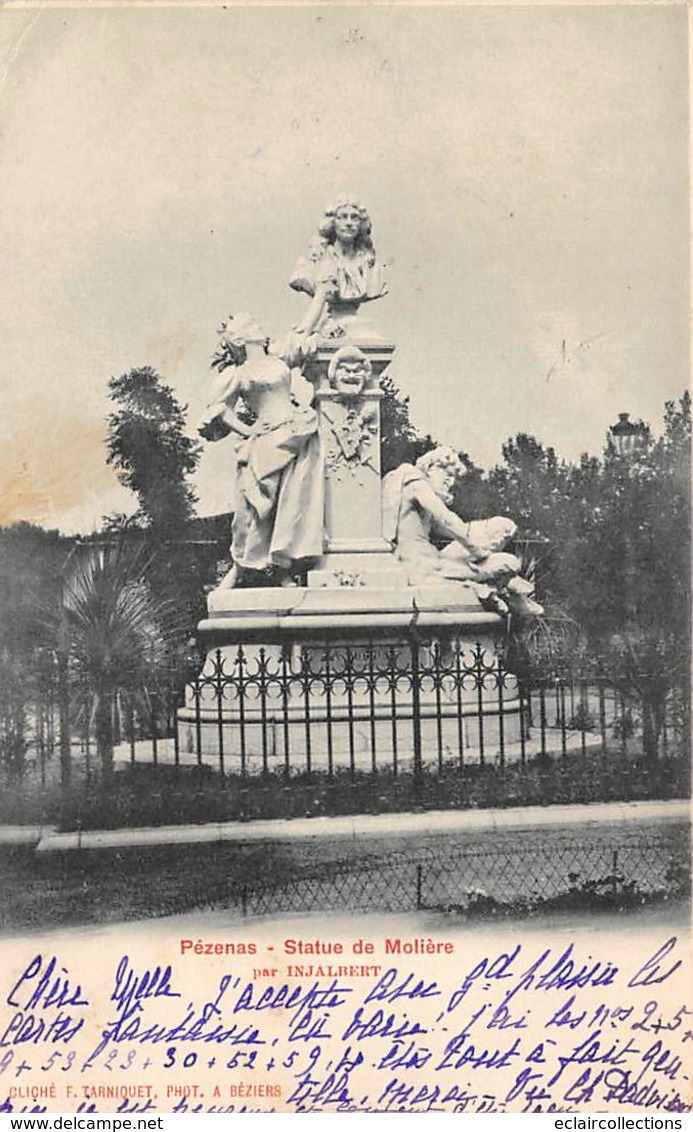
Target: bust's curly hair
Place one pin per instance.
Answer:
(326, 229)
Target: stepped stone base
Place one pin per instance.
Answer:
(348, 677)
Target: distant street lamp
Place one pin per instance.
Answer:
(628, 436)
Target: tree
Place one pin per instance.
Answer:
(619, 533)
(148, 448)
(648, 511)
(115, 638)
(529, 483)
(533, 488)
(154, 457)
(401, 442)
(30, 563)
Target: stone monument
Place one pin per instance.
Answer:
(304, 414)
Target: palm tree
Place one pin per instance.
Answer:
(115, 637)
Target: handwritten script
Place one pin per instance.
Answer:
(376, 1024)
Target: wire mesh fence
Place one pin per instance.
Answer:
(563, 873)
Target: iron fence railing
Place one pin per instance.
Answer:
(414, 707)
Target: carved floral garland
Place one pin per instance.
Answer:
(354, 437)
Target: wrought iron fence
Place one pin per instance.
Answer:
(423, 708)
(361, 706)
(415, 705)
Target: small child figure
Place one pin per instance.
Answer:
(498, 583)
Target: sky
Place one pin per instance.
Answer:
(525, 169)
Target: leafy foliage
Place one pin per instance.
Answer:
(30, 563)
(116, 637)
(111, 622)
(148, 448)
(619, 533)
(160, 795)
(154, 457)
(401, 442)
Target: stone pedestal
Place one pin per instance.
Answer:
(358, 669)
(356, 678)
(355, 551)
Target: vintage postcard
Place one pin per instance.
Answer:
(344, 560)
